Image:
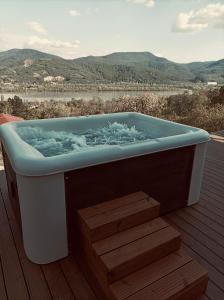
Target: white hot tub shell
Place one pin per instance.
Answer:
(40, 182)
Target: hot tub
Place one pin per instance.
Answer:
(161, 158)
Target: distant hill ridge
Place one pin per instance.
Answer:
(32, 66)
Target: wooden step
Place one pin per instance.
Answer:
(130, 253)
(141, 246)
(175, 276)
(125, 237)
(107, 218)
(139, 280)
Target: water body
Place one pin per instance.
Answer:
(52, 143)
(85, 95)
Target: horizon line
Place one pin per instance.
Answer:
(162, 57)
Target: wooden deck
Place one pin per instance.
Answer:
(201, 226)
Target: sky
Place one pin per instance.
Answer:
(180, 30)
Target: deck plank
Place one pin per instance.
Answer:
(3, 295)
(76, 279)
(199, 245)
(216, 277)
(14, 278)
(205, 220)
(202, 225)
(200, 208)
(57, 283)
(36, 282)
(216, 203)
(46, 282)
(210, 236)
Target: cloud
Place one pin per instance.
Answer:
(57, 47)
(74, 13)
(211, 15)
(88, 11)
(66, 49)
(91, 11)
(37, 27)
(147, 3)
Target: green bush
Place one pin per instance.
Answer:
(182, 105)
(210, 119)
(216, 96)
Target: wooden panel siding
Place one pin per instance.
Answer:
(170, 169)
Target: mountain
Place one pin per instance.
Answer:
(22, 54)
(208, 71)
(32, 66)
(136, 66)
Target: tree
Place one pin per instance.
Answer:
(217, 96)
(16, 106)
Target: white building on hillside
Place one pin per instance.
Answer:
(48, 78)
(211, 83)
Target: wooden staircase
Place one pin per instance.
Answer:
(129, 252)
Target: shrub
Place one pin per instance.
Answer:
(208, 118)
(181, 105)
(216, 96)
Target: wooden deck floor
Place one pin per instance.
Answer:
(202, 228)
(202, 225)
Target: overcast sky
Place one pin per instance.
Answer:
(180, 30)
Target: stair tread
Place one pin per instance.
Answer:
(174, 277)
(142, 278)
(130, 251)
(129, 235)
(114, 213)
(120, 212)
(106, 219)
(107, 205)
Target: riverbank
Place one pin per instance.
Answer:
(14, 87)
(40, 96)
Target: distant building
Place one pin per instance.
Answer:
(53, 79)
(59, 78)
(48, 78)
(211, 83)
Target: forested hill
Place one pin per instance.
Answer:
(31, 66)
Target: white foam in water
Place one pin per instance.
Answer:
(51, 143)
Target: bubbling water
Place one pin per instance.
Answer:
(52, 143)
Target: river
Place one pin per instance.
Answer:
(85, 95)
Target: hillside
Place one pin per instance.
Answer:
(31, 66)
